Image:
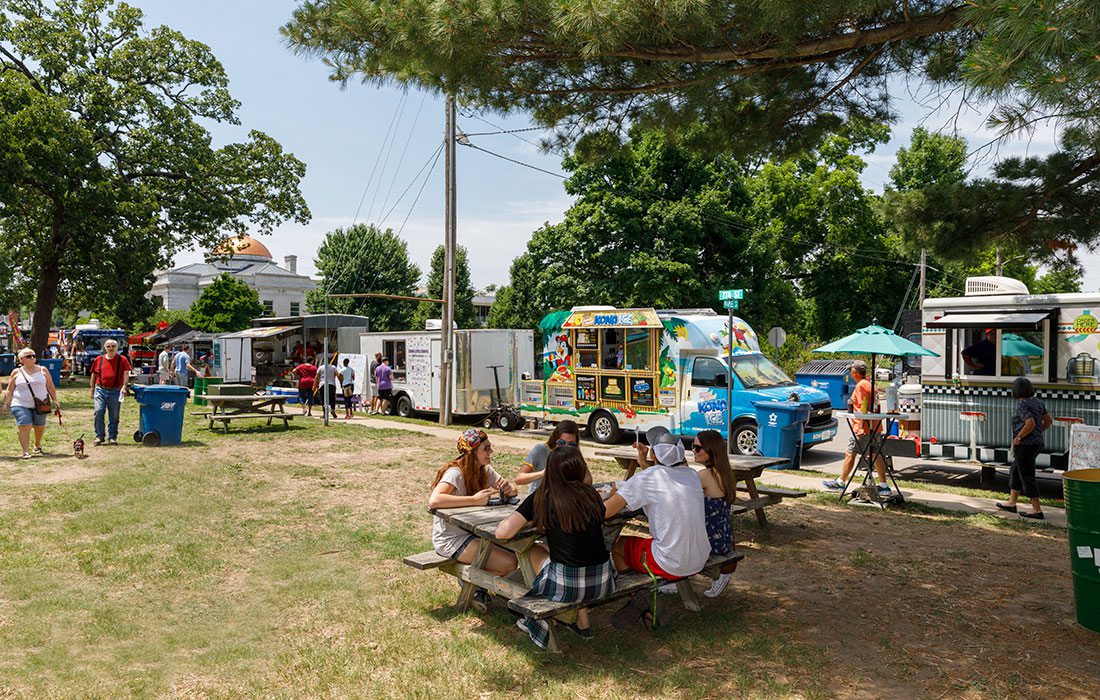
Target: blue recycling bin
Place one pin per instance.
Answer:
(161, 414)
(7, 363)
(831, 376)
(779, 430)
(53, 366)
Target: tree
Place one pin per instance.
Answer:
(465, 313)
(106, 167)
(364, 259)
(226, 305)
(931, 159)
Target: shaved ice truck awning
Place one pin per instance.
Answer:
(1013, 320)
(628, 318)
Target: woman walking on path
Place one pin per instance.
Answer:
(29, 382)
(1028, 423)
(570, 512)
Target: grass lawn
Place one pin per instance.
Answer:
(266, 563)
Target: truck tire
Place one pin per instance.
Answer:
(743, 438)
(404, 406)
(603, 428)
(506, 421)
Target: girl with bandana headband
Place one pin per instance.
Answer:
(469, 480)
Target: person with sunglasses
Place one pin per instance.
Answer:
(29, 381)
(469, 480)
(719, 489)
(533, 467)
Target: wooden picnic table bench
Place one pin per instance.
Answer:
(746, 469)
(482, 521)
(226, 409)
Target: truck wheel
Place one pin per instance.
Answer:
(404, 407)
(488, 423)
(743, 439)
(508, 421)
(603, 428)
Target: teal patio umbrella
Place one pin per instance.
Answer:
(1013, 345)
(874, 340)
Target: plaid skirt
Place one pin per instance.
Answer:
(568, 584)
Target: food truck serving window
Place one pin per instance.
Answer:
(988, 352)
(613, 348)
(639, 356)
(395, 350)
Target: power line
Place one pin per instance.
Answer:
(421, 191)
(386, 162)
(405, 149)
(412, 182)
(513, 160)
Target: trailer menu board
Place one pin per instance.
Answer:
(1084, 447)
(613, 388)
(641, 392)
(586, 387)
(586, 340)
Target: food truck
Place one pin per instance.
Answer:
(632, 369)
(994, 333)
(87, 344)
(415, 360)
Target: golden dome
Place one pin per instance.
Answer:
(242, 245)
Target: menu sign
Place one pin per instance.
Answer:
(641, 392)
(1084, 447)
(586, 387)
(587, 340)
(613, 388)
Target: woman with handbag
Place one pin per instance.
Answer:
(31, 397)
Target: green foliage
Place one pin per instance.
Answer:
(364, 259)
(162, 315)
(465, 313)
(225, 306)
(931, 159)
(106, 165)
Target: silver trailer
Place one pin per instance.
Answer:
(415, 357)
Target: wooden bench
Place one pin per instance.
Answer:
(776, 491)
(226, 418)
(626, 584)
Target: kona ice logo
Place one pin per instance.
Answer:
(1083, 326)
(712, 408)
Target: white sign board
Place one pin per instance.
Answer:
(1084, 447)
(777, 336)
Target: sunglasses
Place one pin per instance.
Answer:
(30, 355)
(697, 448)
(565, 442)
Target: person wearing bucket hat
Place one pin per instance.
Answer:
(671, 495)
(469, 480)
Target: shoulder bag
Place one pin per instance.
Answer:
(40, 405)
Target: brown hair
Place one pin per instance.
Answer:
(473, 474)
(719, 462)
(566, 427)
(563, 497)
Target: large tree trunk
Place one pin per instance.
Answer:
(45, 302)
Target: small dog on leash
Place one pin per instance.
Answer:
(78, 448)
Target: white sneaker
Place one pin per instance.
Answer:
(718, 586)
(668, 589)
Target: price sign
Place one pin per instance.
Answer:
(730, 294)
(731, 304)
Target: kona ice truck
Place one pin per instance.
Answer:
(631, 369)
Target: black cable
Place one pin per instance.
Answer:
(513, 160)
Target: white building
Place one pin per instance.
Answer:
(282, 290)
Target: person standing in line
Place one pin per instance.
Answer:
(29, 383)
(326, 378)
(164, 366)
(347, 386)
(307, 378)
(383, 376)
(110, 372)
(1028, 424)
(181, 367)
(374, 400)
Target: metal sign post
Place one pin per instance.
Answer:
(777, 337)
(731, 299)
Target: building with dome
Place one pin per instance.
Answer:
(282, 290)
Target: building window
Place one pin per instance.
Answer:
(269, 308)
(295, 308)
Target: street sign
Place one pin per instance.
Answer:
(729, 294)
(731, 304)
(777, 336)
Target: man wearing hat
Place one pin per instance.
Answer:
(672, 497)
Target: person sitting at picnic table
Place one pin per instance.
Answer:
(671, 495)
(469, 480)
(531, 470)
(861, 402)
(570, 512)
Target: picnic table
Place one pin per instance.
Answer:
(746, 469)
(226, 409)
(482, 521)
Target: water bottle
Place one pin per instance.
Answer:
(892, 398)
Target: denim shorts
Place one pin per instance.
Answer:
(28, 416)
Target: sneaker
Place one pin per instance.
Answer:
(718, 586)
(37, 451)
(26, 455)
(669, 589)
(98, 441)
(833, 485)
(522, 624)
(883, 489)
(481, 600)
(112, 441)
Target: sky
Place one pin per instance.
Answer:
(369, 149)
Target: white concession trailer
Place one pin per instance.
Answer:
(415, 357)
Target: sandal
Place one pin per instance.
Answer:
(37, 452)
(1033, 516)
(1005, 507)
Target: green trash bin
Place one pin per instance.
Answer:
(202, 387)
(1082, 492)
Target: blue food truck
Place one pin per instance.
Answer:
(631, 369)
(87, 344)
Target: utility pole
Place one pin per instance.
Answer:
(450, 240)
(923, 266)
(1000, 260)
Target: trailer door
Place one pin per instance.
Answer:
(232, 354)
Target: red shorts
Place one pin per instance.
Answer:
(638, 553)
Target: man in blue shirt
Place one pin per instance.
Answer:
(181, 366)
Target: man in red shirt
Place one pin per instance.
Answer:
(110, 373)
(862, 402)
(307, 377)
